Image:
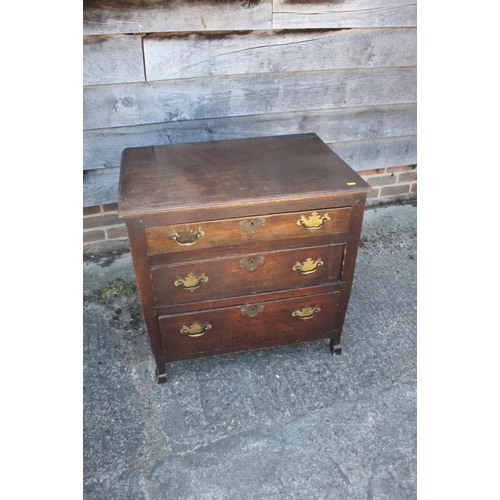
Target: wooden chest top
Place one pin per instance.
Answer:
(243, 174)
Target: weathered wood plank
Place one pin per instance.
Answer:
(292, 14)
(110, 106)
(101, 186)
(378, 153)
(103, 147)
(196, 55)
(112, 59)
(150, 16)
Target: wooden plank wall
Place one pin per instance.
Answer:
(170, 71)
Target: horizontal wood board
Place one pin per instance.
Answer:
(197, 54)
(153, 16)
(149, 16)
(100, 186)
(343, 13)
(134, 104)
(112, 59)
(378, 153)
(103, 147)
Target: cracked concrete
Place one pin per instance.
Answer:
(291, 422)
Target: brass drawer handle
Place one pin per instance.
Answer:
(309, 266)
(306, 312)
(186, 237)
(196, 330)
(191, 282)
(252, 263)
(253, 226)
(252, 311)
(314, 222)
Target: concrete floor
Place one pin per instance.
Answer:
(286, 423)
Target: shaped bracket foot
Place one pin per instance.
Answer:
(161, 378)
(335, 349)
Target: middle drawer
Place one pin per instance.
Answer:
(243, 274)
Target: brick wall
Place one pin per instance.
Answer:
(391, 183)
(104, 232)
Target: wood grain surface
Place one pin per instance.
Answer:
(231, 331)
(198, 55)
(149, 16)
(112, 59)
(227, 277)
(173, 100)
(242, 172)
(104, 147)
(344, 13)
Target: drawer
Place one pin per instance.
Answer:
(248, 326)
(179, 238)
(244, 274)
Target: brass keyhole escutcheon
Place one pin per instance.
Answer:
(252, 263)
(252, 311)
(251, 227)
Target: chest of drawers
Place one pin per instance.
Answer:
(241, 244)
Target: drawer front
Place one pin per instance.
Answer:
(248, 326)
(245, 274)
(179, 238)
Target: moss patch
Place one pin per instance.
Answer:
(117, 287)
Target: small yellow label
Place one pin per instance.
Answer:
(351, 183)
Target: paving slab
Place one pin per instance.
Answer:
(292, 422)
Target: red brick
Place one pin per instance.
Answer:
(117, 232)
(373, 194)
(413, 188)
(405, 168)
(90, 236)
(381, 180)
(110, 207)
(92, 210)
(407, 176)
(395, 190)
(373, 171)
(109, 219)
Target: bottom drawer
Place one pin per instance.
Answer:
(248, 326)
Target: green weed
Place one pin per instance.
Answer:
(117, 287)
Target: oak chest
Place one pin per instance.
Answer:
(241, 244)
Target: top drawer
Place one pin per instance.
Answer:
(178, 238)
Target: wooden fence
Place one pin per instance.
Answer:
(170, 71)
